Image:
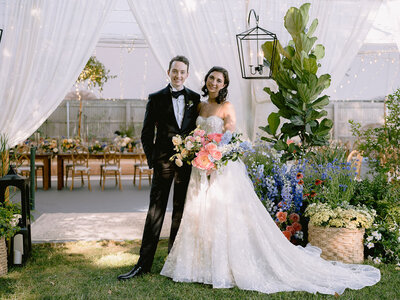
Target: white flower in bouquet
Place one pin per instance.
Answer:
(177, 140)
(377, 235)
(370, 245)
(189, 145)
(178, 162)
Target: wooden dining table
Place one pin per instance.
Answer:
(61, 157)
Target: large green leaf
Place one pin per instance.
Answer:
(297, 64)
(312, 28)
(294, 21)
(290, 130)
(284, 80)
(273, 121)
(310, 64)
(297, 120)
(307, 42)
(324, 127)
(304, 92)
(267, 48)
(320, 102)
(314, 115)
(304, 13)
(280, 145)
(285, 112)
(319, 51)
(324, 80)
(278, 100)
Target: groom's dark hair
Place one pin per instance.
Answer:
(180, 58)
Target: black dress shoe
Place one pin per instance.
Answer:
(135, 272)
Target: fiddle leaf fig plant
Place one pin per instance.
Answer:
(299, 101)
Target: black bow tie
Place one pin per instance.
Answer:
(176, 94)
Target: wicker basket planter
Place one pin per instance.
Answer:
(339, 244)
(3, 257)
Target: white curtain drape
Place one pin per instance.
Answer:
(45, 46)
(394, 11)
(203, 31)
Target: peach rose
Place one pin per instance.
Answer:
(211, 147)
(282, 216)
(216, 155)
(202, 161)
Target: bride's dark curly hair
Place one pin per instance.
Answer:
(223, 93)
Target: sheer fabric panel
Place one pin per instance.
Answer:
(45, 46)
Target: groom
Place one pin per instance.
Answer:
(170, 111)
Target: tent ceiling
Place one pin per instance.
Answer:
(122, 30)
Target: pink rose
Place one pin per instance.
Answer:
(211, 147)
(281, 216)
(199, 132)
(216, 137)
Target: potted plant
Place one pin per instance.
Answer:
(298, 98)
(339, 231)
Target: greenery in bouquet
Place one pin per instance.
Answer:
(279, 187)
(333, 183)
(49, 146)
(343, 216)
(382, 144)
(208, 151)
(69, 144)
(9, 216)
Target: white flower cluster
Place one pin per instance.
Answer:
(122, 141)
(347, 216)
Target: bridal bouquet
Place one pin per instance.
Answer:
(208, 151)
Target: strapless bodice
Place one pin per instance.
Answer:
(211, 124)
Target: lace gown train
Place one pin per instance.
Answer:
(227, 238)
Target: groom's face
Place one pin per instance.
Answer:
(178, 74)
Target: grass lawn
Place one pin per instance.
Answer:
(88, 270)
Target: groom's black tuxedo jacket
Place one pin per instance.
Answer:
(160, 117)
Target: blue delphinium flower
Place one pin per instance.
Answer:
(226, 138)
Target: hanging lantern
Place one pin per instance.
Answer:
(253, 63)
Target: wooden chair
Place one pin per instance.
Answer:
(355, 158)
(24, 163)
(141, 169)
(80, 164)
(111, 166)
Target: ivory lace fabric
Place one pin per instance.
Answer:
(227, 238)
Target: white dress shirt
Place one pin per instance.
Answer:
(179, 108)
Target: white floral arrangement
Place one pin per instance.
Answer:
(346, 216)
(122, 141)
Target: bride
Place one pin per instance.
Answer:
(227, 238)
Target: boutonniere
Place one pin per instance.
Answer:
(189, 104)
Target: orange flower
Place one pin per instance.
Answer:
(287, 234)
(313, 194)
(306, 195)
(282, 216)
(296, 226)
(318, 182)
(290, 229)
(299, 176)
(301, 182)
(294, 217)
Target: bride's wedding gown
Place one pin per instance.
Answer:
(227, 238)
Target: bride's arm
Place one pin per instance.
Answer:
(229, 117)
